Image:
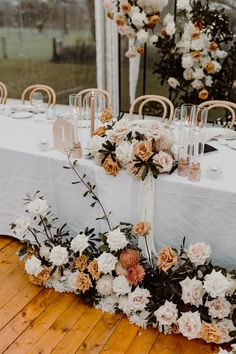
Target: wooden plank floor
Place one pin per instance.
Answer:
(34, 320)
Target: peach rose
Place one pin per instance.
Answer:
(43, 276)
(164, 160)
(143, 150)
(120, 21)
(203, 94)
(93, 269)
(154, 20)
(100, 131)
(167, 258)
(35, 280)
(106, 115)
(195, 35)
(133, 171)
(81, 263)
(213, 46)
(141, 50)
(142, 228)
(83, 282)
(120, 270)
(196, 54)
(209, 67)
(125, 8)
(110, 15)
(211, 333)
(111, 167)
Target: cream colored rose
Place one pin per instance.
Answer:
(166, 314)
(116, 240)
(165, 160)
(124, 152)
(121, 285)
(192, 291)
(167, 258)
(21, 225)
(216, 284)
(198, 253)
(219, 308)
(190, 325)
(95, 144)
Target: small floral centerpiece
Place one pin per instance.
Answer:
(176, 291)
(140, 147)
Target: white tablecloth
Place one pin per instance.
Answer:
(203, 211)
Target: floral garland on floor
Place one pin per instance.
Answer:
(140, 147)
(175, 292)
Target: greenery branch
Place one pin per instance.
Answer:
(90, 190)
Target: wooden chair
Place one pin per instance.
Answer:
(3, 93)
(164, 102)
(51, 95)
(85, 95)
(230, 106)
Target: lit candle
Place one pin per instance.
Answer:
(92, 112)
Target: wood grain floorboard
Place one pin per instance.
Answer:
(34, 320)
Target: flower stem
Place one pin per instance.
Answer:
(35, 237)
(91, 192)
(45, 227)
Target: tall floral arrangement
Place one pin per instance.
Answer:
(196, 62)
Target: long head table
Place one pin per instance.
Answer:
(203, 211)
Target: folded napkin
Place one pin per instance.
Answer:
(225, 133)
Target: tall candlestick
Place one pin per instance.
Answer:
(92, 111)
(196, 147)
(185, 142)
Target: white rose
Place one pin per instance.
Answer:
(165, 160)
(216, 284)
(123, 304)
(183, 5)
(184, 47)
(188, 74)
(95, 144)
(139, 19)
(192, 291)
(142, 36)
(33, 266)
(108, 5)
(198, 253)
(219, 308)
(190, 325)
(44, 251)
(72, 279)
(173, 82)
(226, 325)
(198, 44)
(79, 243)
(124, 152)
(153, 39)
(38, 207)
(138, 299)
(21, 225)
(59, 256)
(197, 84)
(217, 66)
(152, 6)
(105, 285)
(106, 262)
(187, 61)
(121, 285)
(116, 240)
(221, 54)
(208, 81)
(166, 314)
(198, 74)
(139, 319)
(170, 28)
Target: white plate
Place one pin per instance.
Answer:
(22, 115)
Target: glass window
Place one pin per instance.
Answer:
(50, 42)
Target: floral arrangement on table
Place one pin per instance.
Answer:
(138, 19)
(196, 48)
(140, 147)
(173, 291)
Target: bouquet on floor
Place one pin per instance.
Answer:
(175, 291)
(139, 147)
